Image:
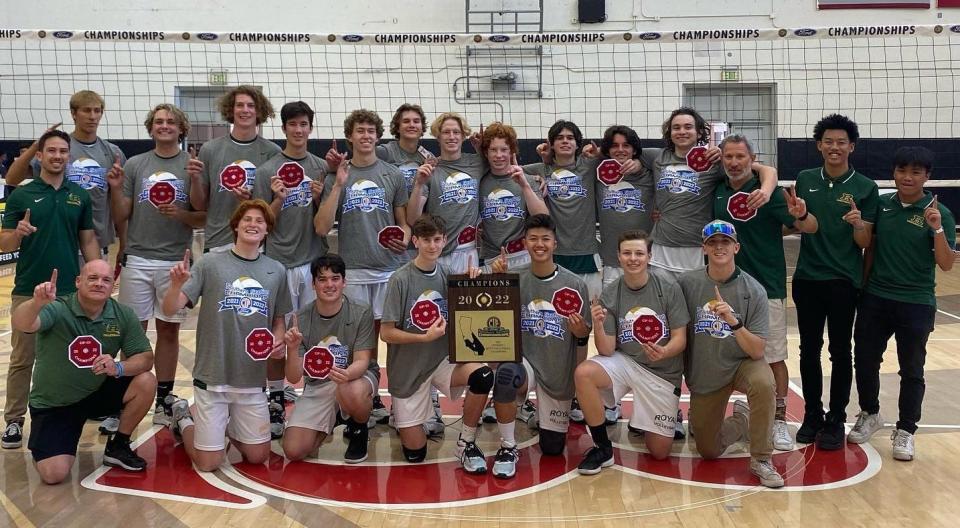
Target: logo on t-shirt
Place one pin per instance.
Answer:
(565, 185)
(246, 296)
(541, 319)
(917, 220)
(458, 188)
(710, 323)
(622, 198)
(170, 182)
(428, 309)
(366, 196)
(677, 179)
(88, 174)
(501, 205)
(240, 173)
(341, 354)
(642, 325)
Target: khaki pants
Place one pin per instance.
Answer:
(714, 434)
(21, 369)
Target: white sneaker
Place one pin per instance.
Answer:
(163, 412)
(767, 474)
(902, 445)
(527, 413)
(471, 457)
(489, 414)
(576, 413)
(109, 425)
(612, 414)
(782, 440)
(434, 426)
(867, 424)
(505, 463)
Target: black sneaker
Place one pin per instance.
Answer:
(679, 432)
(119, 454)
(13, 436)
(831, 437)
(596, 459)
(357, 447)
(277, 419)
(379, 411)
(812, 424)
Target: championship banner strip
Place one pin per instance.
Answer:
(874, 4)
(493, 40)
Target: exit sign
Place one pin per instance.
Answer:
(217, 78)
(729, 75)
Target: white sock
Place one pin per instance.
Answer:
(507, 436)
(468, 434)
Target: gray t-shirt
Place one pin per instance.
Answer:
(625, 205)
(88, 167)
(152, 235)
(645, 313)
(452, 195)
(684, 198)
(365, 207)
(571, 199)
(227, 154)
(406, 162)
(239, 296)
(546, 340)
(713, 355)
(293, 240)
(413, 300)
(502, 212)
(348, 331)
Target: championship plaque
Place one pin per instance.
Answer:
(484, 320)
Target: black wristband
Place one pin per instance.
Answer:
(583, 341)
(738, 326)
(804, 217)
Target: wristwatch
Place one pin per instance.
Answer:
(938, 231)
(738, 326)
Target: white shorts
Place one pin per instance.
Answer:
(242, 416)
(553, 414)
(317, 408)
(371, 294)
(776, 348)
(676, 260)
(300, 283)
(418, 408)
(516, 262)
(142, 289)
(594, 283)
(459, 260)
(655, 400)
(611, 274)
(222, 249)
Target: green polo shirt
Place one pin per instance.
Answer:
(56, 381)
(831, 253)
(59, 215)
(760, 236)
(904, 268)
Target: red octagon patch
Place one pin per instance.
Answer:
(647, 329)
(389, 233)
(83, 351)
(608, 172)
(291, 174)
(317, 362)
(161, 193)
(233, 177)
(567, 301)
(737, 207)
(515, 246)
(424, 314)
(697, 159)
(259, 344)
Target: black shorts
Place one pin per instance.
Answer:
(56, 430)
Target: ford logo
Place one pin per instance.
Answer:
(352, 38)
(650, 35)
(62, 34)
(805, 32)
(207, 36)
(499, 38)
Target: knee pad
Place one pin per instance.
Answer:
(415, 455)
(481, 380)
(510, 377)
(552, 442)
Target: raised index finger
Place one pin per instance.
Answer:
(716, 290)
(186, 258)
(933, 204)
(53, 277)
(26, 216)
